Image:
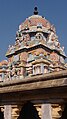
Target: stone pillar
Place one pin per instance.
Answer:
(46, 111)
(33, 70)
(7, 112)
(42, 68)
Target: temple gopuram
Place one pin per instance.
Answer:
(33, 79)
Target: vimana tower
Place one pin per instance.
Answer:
(37, 51)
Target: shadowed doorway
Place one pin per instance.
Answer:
(64, 113)
(28, 111)
(1, 114)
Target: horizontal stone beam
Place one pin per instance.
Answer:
(34, 85)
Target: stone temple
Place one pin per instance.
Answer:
(36, 54)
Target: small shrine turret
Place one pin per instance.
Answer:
(3, 70)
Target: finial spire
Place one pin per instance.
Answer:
(35, 11)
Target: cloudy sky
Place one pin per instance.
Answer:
(14, 12)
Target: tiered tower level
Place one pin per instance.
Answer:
(36, 50)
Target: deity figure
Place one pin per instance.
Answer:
(53, 41)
